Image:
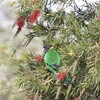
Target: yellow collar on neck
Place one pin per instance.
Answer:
(51, 48)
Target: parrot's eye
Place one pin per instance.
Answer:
(44, 46)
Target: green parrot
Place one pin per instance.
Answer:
(51, 59)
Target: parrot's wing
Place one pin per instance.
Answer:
(52, 58)
(54, 66)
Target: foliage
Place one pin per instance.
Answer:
(75, 35)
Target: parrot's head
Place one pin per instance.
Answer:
(46, 48)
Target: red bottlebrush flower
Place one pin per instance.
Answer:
(33, 16)
(31, 97)
(39, 58)
(20, 24)
(34, 1)
(75, 98)
(61, 76)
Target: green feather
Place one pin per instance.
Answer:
(52, 57)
